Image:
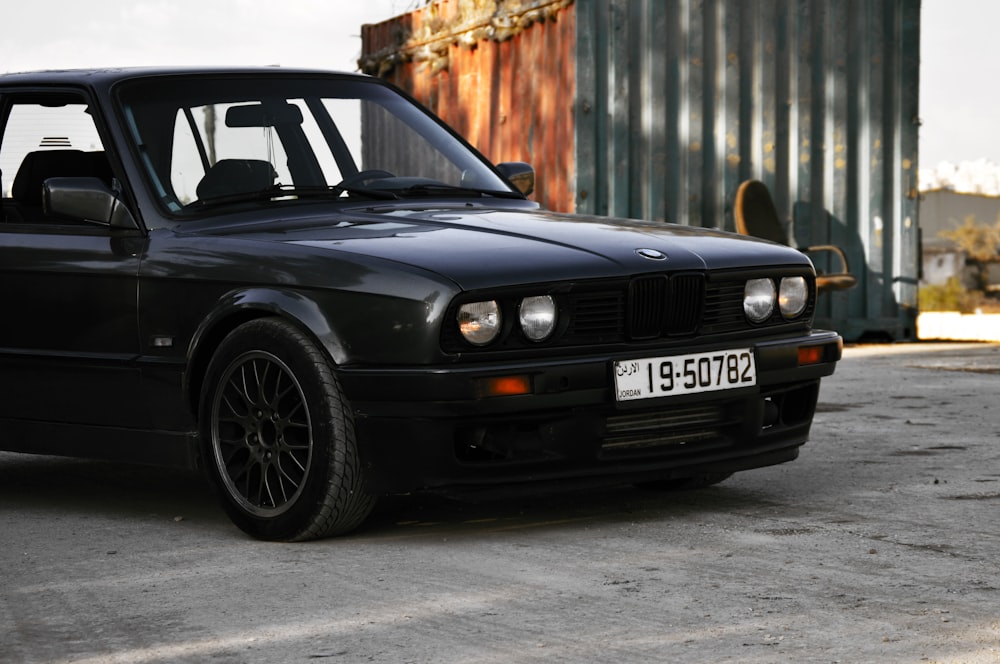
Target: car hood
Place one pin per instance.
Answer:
(480, 248)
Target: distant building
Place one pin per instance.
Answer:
(945, 210)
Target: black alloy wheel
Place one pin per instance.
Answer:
(278, 436)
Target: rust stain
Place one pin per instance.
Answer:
(429, 34)
(465, 60)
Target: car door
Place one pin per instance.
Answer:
(68, 332)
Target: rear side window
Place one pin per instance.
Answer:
(33, 127)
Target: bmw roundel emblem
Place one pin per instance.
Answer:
(652, 254)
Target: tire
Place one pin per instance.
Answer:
(278, 436)
(685, 483)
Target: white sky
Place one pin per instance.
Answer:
(959, 86)
(323, 34)
(959, 81)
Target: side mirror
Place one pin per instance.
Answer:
(520, 174)
(87, 199)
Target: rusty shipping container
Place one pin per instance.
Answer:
(658, 109)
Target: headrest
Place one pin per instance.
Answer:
(236, 176)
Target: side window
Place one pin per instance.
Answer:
(46, 140)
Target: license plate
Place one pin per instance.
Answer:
(684, 374)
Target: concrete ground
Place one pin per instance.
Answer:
(879, 544)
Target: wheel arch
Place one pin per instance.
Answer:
(241, 306)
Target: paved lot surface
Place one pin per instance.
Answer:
(880, 543)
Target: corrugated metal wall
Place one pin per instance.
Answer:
(657, 109)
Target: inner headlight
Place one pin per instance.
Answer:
(479, 322)
(793, 295)
(758, 299)
(538, 317)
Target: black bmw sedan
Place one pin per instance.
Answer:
(307, 285)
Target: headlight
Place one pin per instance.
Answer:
(538, 317)
(479, 322)
(793, 295)
(758, 299)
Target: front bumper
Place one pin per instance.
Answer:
(434, 428)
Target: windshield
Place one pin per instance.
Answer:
(237, 141)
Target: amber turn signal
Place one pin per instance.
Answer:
(504, 386)
(810, 355)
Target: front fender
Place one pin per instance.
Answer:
(353, 328)
(241, 305)
(244, 304)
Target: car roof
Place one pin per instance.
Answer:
(106, 77)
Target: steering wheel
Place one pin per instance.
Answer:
(363, 177)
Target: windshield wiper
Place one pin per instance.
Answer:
(296, 192)
(435, 189)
